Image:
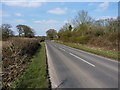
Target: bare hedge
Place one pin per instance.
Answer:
(16, 53)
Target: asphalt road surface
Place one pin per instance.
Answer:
(72, 68)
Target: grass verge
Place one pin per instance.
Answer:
(105, 53)
(35, 76)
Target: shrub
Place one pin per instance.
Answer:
(82, 39)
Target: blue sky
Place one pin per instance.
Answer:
(42, 16)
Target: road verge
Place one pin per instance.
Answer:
(35, 75)
(105, 53)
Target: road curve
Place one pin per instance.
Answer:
(72, 68)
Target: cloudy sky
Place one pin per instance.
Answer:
(42, 16)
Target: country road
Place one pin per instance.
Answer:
(72, 68)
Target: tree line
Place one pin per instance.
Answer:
(84, 29)
(23, 31)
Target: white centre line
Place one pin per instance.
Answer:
(62, 49)
(82, 60)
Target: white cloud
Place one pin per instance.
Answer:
(19, 21)
(102, 7)
(58, 11)
(106, 17)
(46, 21)
(25, 0)
(18, 14)
(65, 21)
(3, 14)
(91, 4)
(23, 4)
(66, 0)
(15, 21)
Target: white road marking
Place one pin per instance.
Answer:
(82, 60)
(116, 61)
(62, 49)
